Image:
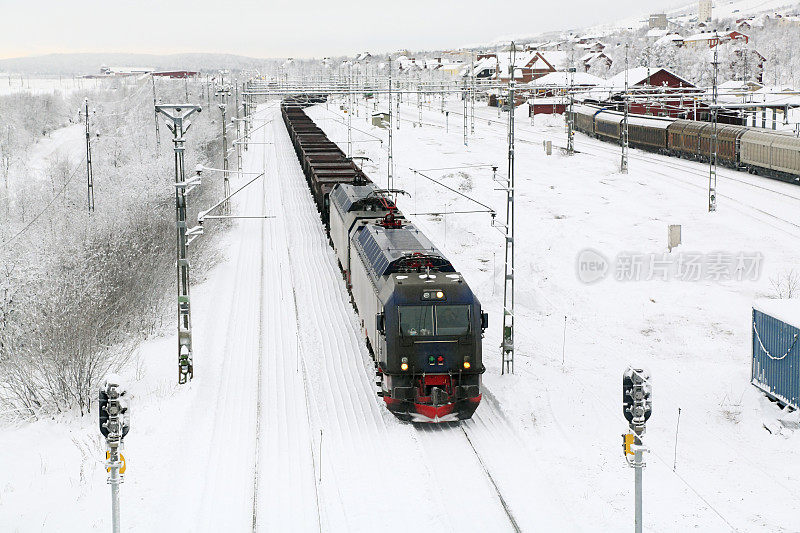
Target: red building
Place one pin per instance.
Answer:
(656, 82)
(176, 73)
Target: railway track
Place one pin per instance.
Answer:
(497, 491)
(600, 148)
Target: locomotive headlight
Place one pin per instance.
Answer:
(404, 364)
(439, 294)
(467, 365)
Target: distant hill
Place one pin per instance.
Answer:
(687, 12)
(89, 63)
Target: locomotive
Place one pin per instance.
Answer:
(422, 323)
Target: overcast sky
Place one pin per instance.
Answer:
(280, 28)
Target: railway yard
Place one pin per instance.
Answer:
(339, 268)
(283, 429)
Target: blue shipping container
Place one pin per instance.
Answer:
(776, 349)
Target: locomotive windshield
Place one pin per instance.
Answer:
(416, 320)
(452, 319)
(419, 320)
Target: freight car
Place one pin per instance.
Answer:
(324, 164)
(422, 323)
(770, 153)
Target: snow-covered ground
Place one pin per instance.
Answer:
(694, 336)
(281, 429)
(61, 85)
(687, 13)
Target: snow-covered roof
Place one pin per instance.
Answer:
(639, 75)
(551, 100)
(130, 69)
(707, 36)
(561, 79)
(480, 66)
(670, 38)
(656, 32)
(520, 60)
(785, 310)
(701, 37)
(557, 58)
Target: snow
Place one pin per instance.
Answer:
(671, 38)
(561, 79)
(693, 336)
(15, 83)
(638, 75)
(687, 13)
(787, 310)
(281, 428)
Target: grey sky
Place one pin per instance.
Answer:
(280, 28)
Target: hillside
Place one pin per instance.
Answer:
(89, 63)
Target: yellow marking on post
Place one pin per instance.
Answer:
(627, 441)
(121, 458)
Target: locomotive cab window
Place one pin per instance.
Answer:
(452, 319)
(416, 320)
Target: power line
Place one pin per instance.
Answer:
(59, 193)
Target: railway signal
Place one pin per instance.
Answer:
(114, 419)
(637, 407)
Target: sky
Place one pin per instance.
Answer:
(280, 28)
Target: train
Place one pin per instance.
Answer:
(422, 323)
(769, 153)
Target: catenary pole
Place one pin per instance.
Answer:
(712, 156)
(507, 345)
(155, 114)
(177, 115)
(89, 175)
(390, 163)
(623, 167)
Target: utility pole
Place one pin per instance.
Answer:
(637, 406)
(507, 345)
(623, 167)
(464, 97)
(226, 207)
(247, 108)
(155, 114)
(349, 111)
(399, 95)
(419, 102)
(89, 176)
(570, 115)
(178, 115)
(238, 134)
(224, 93)
(472, 97)
(712, 156)
(390, 164)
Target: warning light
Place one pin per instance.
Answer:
(467, 365)
(404, 364)
(441, 360)
(431, 360)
